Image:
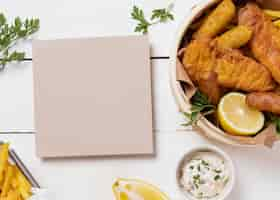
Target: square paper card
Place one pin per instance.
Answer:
(93, 97)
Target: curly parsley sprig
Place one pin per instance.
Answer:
(158, 16)
(10, 34)
(200, 107)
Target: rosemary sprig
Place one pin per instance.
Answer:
(10, 34)
(200, 107)
(158, 16)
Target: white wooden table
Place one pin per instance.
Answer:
(258, 174)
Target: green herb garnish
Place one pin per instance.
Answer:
(226, 180)
(218, 171)
(191, 167)
(274, 119)
(158, 16)
(200, 107)
(204, 162)
(138, 15)
(10, 34)
(163, 15)
(217, 177)
(196, 177)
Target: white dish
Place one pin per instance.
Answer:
(207, 149)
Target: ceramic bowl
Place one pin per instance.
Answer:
(187, 156)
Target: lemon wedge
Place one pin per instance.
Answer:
(130, 189)
(236, 117)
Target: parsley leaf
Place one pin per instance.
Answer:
(158, 16)
(200, 106)
(10, 34)
(274, 119)
(162, 14)
(138, 15)
(217, 177)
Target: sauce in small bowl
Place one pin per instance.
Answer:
(206, 173)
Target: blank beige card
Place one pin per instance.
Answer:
(93, 97)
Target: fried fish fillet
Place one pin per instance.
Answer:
(265, 43)
(272, 4)
(264, 101)
(211, 88)
(233, 69)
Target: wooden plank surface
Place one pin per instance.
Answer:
(89, 18)
(92, 178)
(16, 107)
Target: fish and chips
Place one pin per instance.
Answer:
(236, 48)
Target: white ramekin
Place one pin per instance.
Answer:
(187, 156)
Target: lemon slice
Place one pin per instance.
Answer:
(236, 117)
(130, 189)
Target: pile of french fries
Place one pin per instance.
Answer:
(13, 184)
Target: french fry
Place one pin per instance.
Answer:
(217, 20)
(22, 181)
(273, 14)
(13, 184)
(24, 193)
(4, 154)
(8, 180)
(22, 184)
(13, 195)
(235, 38)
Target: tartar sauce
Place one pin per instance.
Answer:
(205, 175)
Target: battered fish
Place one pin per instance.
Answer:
(265, 43)
(211, 88)
(233, 69)
(264, 101)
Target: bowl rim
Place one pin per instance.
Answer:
(211, 148)
(206, 128)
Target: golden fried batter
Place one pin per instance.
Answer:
(199, 59)
(217, 21)
(233, 69)
(235, 38)
(265, 43)
(264, 101)
(211, 88)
